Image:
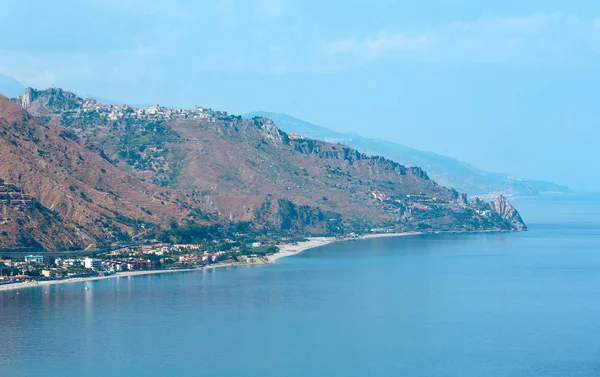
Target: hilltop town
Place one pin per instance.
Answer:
(70, 104)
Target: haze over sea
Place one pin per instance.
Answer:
(520, 304)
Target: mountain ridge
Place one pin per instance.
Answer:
(445, 170)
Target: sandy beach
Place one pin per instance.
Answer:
(285, 250)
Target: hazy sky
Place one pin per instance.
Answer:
(509, 86)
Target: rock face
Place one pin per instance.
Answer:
(27, 97)
(509, 213)
(49, 101)
(271, 131)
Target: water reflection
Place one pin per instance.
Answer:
(480, 305)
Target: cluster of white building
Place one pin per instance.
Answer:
(116, 112)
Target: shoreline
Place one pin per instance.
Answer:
(45, 283)
(285, 250)
(288, 250)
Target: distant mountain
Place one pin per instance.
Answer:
(446, 171)
(10, 87)
(77, 173)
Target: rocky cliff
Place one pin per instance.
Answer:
(509, 213)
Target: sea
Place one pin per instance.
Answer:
(507, 304)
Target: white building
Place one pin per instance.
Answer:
(92, 263)
(34, 259)
(153, 110)
(72, 262)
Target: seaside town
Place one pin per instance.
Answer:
(43, 268)
(158, 256)
(36, 269)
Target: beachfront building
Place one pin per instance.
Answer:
(92, 263)
(34, 259)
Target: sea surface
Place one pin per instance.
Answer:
(522, 304)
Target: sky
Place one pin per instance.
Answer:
(509, 86)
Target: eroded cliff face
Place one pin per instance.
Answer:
(49, 101)
(509, 213)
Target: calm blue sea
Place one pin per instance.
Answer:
(525, 304)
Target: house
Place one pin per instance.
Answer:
(187, 246)
(72, 262)
(6, 262)
(147, 249)
(153, 110)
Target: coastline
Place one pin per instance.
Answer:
(45, 283)
(285, 250)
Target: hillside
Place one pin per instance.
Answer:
(70, 186)
(445, 170)
(112, 172)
